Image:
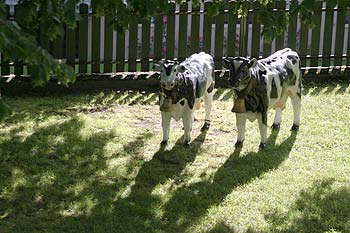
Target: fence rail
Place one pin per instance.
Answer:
(94, 48)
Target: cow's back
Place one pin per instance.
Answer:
(283, 75)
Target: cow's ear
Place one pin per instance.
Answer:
(156, 67)
(226, 62)
(180, 68)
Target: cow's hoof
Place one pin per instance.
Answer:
(295, 128)
(275, 126)
(164, 143)
(239, 144)
(205, 127)
(187, 144)
(263, 145)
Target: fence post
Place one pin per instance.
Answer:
(195, 29)
(243, 37)
(256, 32)
(170, 32)
(71, 46)
(327, 38)
(183, 32)
(231, 31)
(95, 46)
(19, 64)
(5, 63)
(207, 26)
(315, 38)
(133, 27)
(281, 7)
(292, 29)
(120, 53)
(339, 38)
(108, 45)
(304, 30)
(145, 44)
(219, 39)
(83, 38)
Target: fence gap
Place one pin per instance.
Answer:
(207, 27)
(83, 38)
(315, 38)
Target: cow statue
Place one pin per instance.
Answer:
(183, 86)
(260, 85)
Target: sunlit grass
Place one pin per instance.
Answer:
(93, 163)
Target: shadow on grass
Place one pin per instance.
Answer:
(322, 208)
(315, 89)
(40, 175)
(137, 211)
(188, 204)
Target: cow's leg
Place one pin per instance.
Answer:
(240, 124)
(278, 119)
(187, 120)
(296, 103)
(263, 133)
(166, 117)
(208, 103)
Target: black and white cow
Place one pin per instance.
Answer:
(183, 86)
(265, 84)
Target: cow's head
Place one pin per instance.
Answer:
(168, 73)
(240, 73)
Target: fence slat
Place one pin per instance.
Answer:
(315, 37)
(304, 30)
(243, 37)
(339, 38)
(95, 47)
(292, 29)
(256, 30)
(207, 26)
(5, 67)
(19, 64)
(158, 37)
(108, 48)
(71, 46)
(279, 44)
(195, 30)
(219, 40)
(83, 38)
(132, 44)
(231, 31)
(120, 53)
(183, 32)
(145, 44)
(327, 37)
(170, 33)
(267, 45)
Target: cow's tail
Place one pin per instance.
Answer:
(293, 63)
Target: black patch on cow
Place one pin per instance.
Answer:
(299, 94)
(291, 78)
(168, 66)
(210, 88)
(294, 59)
(273, 93)
(182, 102)
(200, 87)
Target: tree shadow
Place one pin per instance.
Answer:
(136, 210)
(238, 170)
(315, 89)
(322, 208)
(39, 174)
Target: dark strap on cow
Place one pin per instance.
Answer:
(255, 96)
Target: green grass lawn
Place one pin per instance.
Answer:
(93, 163)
